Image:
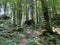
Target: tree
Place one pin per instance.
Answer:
(46, 17)
(19, 11)
(31, 5)
(36, 13)
(27, 11)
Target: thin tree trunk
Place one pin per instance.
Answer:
(5, 4)
(36, 13)
(14, 18)
(14, 15)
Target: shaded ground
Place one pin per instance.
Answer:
(29, 34)
(46, 39)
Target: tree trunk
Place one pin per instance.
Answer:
(14, 21)
(46, 17)
(31, 5)
(36, 13)
(27, 11)
(5, 4)
(19, 13)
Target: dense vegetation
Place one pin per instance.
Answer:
(29, 22)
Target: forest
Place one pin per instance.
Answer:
(29, 22)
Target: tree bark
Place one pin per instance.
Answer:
(36, 13)
(46, 17)
(27, 11)
(14, 21)
(19, 11)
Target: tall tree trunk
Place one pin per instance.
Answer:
(5, 4)
(19, 13)
(36, 13)
(31, 5)
(14, 17)
(46, 17)
(14, 21)
(27, 11)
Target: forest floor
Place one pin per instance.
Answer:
(29, 36)
(44, 40)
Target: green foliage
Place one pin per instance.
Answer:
(31, 42)
(56, 20)
(58, 41)
(10, 42)
(49, 39)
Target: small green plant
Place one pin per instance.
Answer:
(32, 43)
(10, 42)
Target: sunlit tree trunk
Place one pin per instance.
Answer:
(31, 5)
(27, 11)
(36, 12)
